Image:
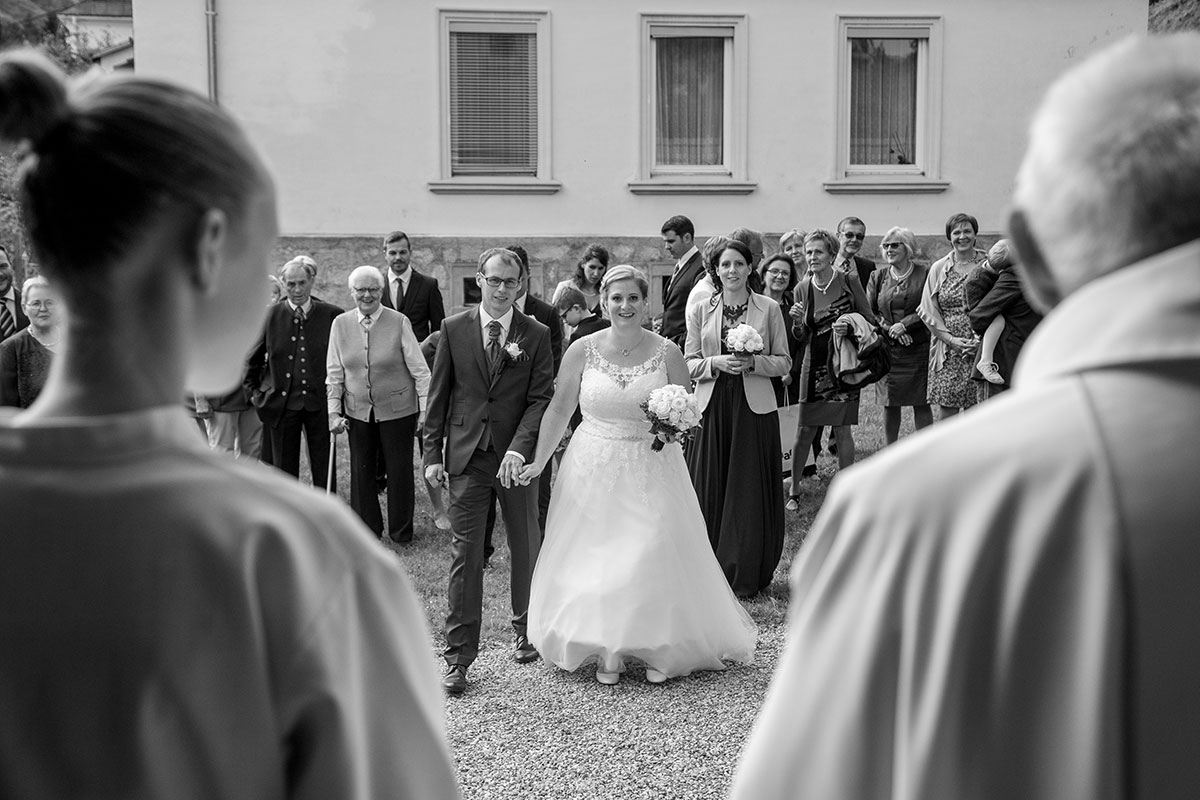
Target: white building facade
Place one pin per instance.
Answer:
(557, 124)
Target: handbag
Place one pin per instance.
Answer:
(789, 420)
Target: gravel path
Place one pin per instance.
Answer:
(534, 731)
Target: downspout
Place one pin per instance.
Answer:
(210, 13)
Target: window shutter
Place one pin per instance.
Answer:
(493, 103)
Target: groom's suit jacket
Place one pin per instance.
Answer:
(466, 400)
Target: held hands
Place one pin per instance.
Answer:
(510, 471)
(530, 472)
(897, 330)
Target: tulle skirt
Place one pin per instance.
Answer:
(627, 571)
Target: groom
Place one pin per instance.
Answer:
(492, 380)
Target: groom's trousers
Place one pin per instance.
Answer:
(470, 496)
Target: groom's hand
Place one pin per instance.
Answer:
(510, 470)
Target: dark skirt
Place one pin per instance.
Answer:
(907, 382)
(736, 466)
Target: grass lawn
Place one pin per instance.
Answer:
(535, 731)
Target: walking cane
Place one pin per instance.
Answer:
(332, 458)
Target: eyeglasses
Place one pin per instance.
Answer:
(40, 304)
(509, 283)
(890, 245)
(855, 235)
(368, 290)
(779, 273)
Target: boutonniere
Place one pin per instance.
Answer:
(513, 352)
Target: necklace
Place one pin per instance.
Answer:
(42, 342)
(901, 278)
(625, 351)
(828, 283)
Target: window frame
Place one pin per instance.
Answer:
(731, 177)
(497, 22)
(924, 175)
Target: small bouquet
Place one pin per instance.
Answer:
(744, 340)
(673, 413)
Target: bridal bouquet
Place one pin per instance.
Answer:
(673, 413)
(744, 340)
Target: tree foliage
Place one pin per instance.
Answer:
(45, 31)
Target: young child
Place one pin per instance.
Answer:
(999, 258)
(578, 319)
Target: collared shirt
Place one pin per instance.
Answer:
(1012, 615)
(307, 307)
(504, 319)
(9, 299)
(402, 279)
(374, 319)
(686, 257)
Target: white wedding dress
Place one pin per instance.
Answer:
(627, 570)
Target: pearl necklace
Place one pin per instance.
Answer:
(828, 283)
(901, 278)
(47, 345)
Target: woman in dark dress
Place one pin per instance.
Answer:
(735, 460)
(894, 294)
(821, 297)
(25, 356)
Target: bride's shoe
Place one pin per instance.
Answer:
(654, 676)
(608, 678)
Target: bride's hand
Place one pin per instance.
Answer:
(528, 473)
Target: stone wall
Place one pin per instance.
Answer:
(452, 259)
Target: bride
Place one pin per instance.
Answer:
(626, 571)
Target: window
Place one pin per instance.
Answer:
(889, 105)
(495, 103)
(694, 105)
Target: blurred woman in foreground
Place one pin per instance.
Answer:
(226, 617)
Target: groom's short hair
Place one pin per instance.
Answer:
(505, 255)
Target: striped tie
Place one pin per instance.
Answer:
(7, 326)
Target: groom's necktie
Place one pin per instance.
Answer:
(493, 345)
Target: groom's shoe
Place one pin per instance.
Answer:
(526, 652)
(455, 682)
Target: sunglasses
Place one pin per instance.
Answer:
(849, 235)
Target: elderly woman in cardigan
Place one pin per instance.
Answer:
(25, 356)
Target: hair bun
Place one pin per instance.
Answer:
(33, 96)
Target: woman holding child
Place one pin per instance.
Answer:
(735, 460)
(625, 572)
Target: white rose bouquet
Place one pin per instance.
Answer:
(673, 413)
(744, 340)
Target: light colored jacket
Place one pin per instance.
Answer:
(704, 342)
(384, 370)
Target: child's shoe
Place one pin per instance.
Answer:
(990, 372)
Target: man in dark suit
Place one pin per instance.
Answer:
(851, 232)
(678, 234)
(12, 317)
(493, 376)
(418, 296)
(285, 374)
(1005, 298)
